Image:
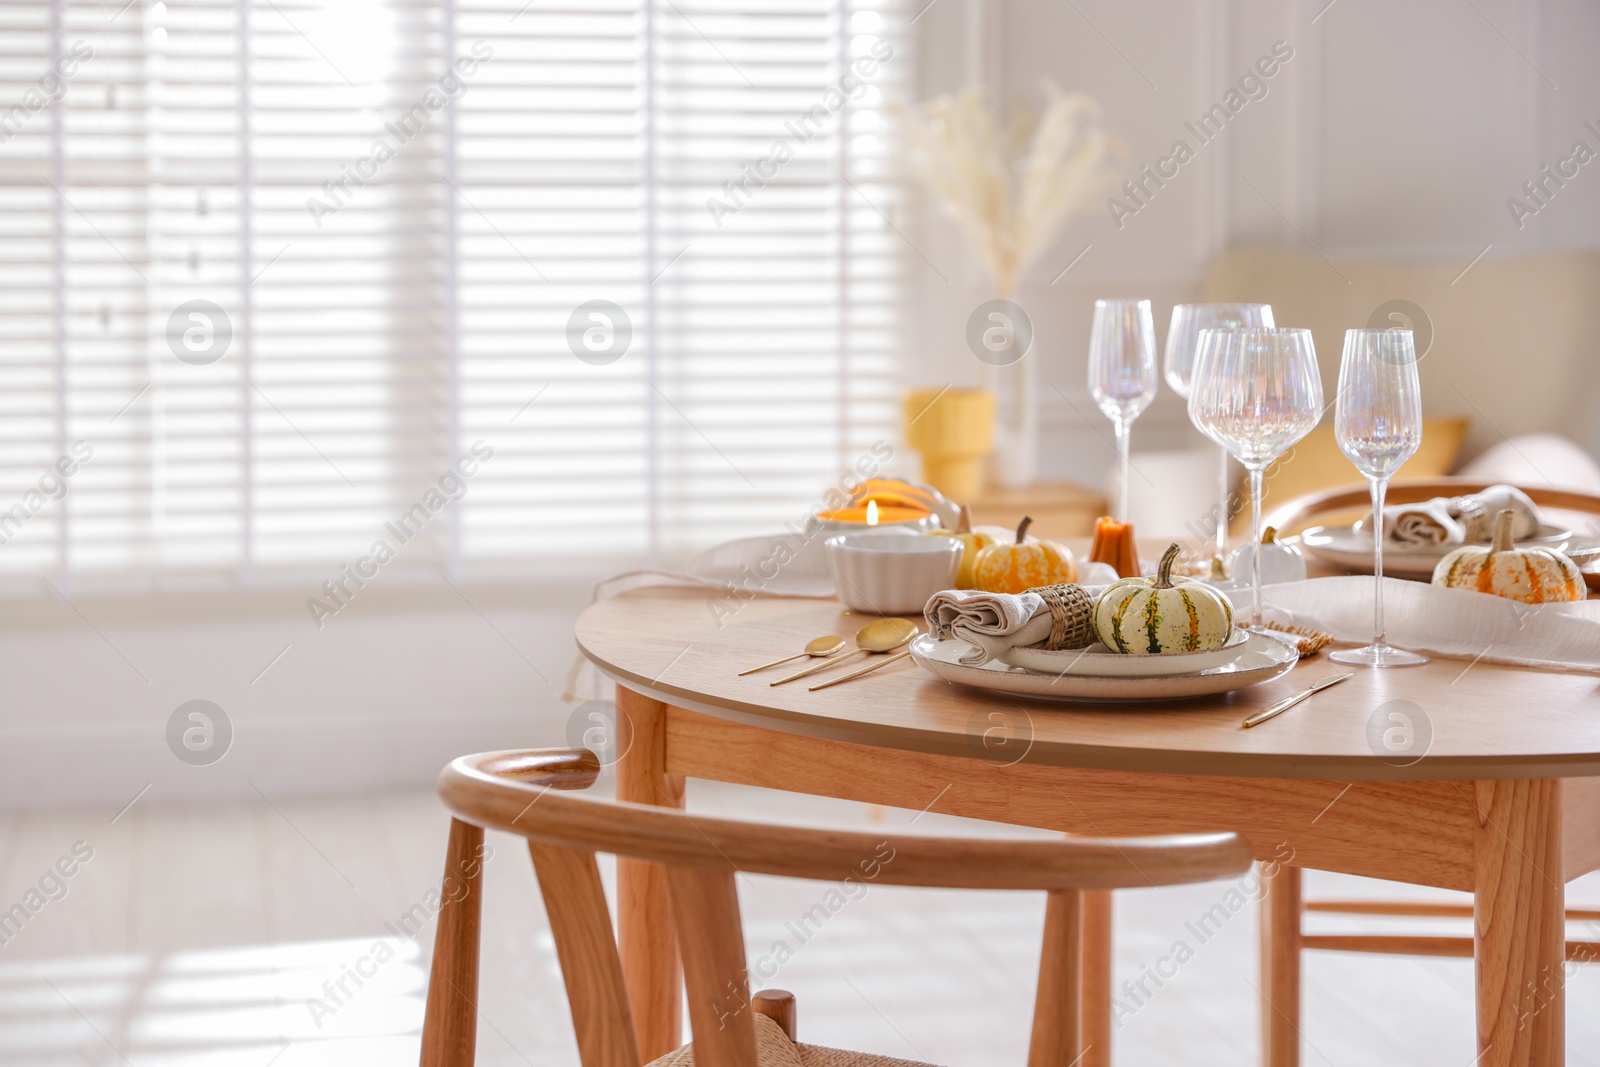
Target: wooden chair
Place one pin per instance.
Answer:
(522, 793)
(1283, 907)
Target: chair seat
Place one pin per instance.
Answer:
(817, 1056)
(774, 1049)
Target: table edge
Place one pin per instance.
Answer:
(1106, 758)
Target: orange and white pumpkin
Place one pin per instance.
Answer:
(1163, 614)
(972, 543)
(1531, 574)
(1024, 565)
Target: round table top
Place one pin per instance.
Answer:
(1486, 721)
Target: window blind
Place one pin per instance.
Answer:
(502, 285)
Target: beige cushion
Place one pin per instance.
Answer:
(1515, 340)
(1539, 459)
(773, 1049)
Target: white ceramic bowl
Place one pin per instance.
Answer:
(891, 573)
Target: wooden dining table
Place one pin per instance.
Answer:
(1460, 775)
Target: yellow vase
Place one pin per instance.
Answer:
(954, 430)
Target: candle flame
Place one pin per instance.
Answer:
(872, 513)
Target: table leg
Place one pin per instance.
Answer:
(646, 939)
(1280, 966)
(1097, 978)
(1520, 934)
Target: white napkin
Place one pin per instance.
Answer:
(1446, 622)
(990, 622)
(1457, 520)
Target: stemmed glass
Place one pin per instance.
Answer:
(1122, 373)
(1378, 423)
(1183, 338)
(1256, 392)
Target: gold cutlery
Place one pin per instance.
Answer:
(820, 646)
(856, 674)
(880, 635)
(1290, 701)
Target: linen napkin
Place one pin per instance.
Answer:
(1458, 520)
(1458, 623)
(990, 622)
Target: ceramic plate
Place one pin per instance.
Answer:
(1098, 661)
(1351, 548)
(1259, 659)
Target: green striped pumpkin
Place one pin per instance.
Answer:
(1163, 614)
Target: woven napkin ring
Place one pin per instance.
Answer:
(1071, 616)
(1474, 517)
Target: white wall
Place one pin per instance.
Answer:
(384, 693)
(1397, 131)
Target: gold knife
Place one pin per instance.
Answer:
(857, 674)
(1290, 701)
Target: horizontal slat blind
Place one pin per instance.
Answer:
(393, 212)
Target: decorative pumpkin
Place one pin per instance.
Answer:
(1023, 565)
(1113, 544)
(1163, 614)
(1532, 575)
(972, 542)
(1279, 562)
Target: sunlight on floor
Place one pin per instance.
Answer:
(345, 1002)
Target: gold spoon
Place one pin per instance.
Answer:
(821, 646)
(880, 635)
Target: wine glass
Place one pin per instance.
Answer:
(1183, 338)
(1255, 392)
(1378, 423)
(1122, 373)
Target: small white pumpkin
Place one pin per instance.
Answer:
(1279, 562)
(1531, 574)
(1163, 614)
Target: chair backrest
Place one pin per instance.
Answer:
(523, 793)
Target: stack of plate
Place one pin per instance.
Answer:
(1350, 547)
(1098, 674)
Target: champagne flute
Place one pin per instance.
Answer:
(1256, 392)
(1378, 423)
(1183, 338)
(1122, 373)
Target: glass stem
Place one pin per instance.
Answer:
(1380, 487)
(1224, 498)
(1123, 464)
(1256, 479)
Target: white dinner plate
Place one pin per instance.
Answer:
(1259, 659)
(1350, 547)
(1098, 661)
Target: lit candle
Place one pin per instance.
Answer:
(884, 502)
(873, 513)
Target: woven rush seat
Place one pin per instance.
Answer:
(774, 1049)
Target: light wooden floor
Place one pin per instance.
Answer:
(198, 934)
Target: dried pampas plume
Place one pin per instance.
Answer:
(1011, 204)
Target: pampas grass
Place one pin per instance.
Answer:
(1012, 187)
